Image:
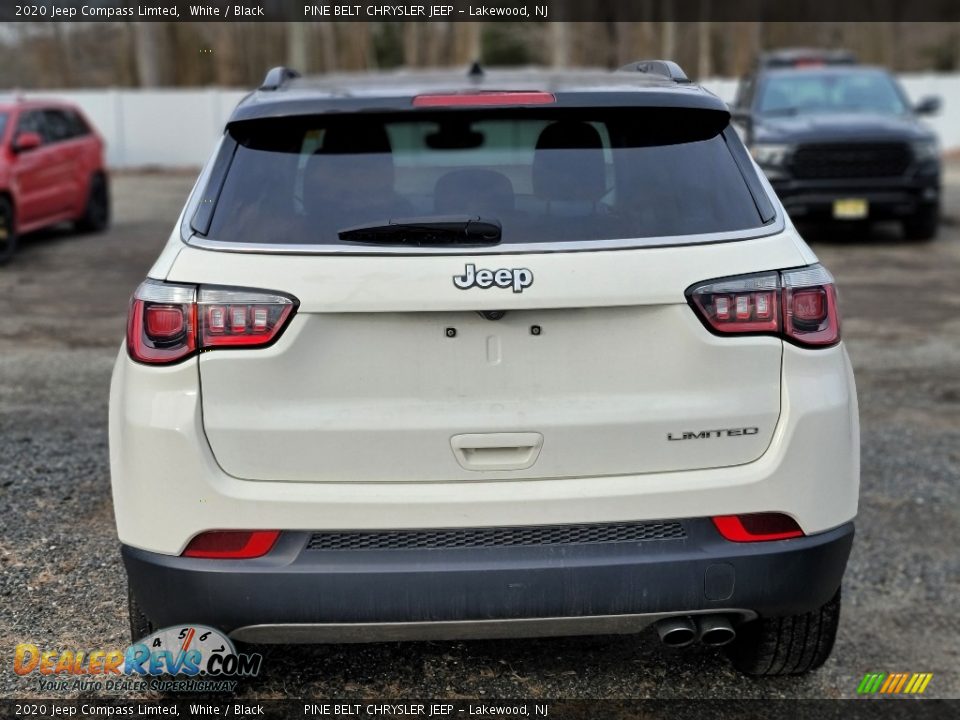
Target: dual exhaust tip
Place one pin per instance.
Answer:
(680, 631)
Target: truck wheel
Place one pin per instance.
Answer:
(8, 236)
(923, 224)
(140, 625)
(790, 645)
(96, 215)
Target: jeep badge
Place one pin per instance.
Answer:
(516, 278)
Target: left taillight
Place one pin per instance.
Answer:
(162, 324)
(169, 322)
(799, 305)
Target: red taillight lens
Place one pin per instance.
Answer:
(745, 304)
(164, 321)
(170, 322)
(757, 527)
(799, 305)
(161, 327)
(810, 314)
(241, 318)
(232, 544)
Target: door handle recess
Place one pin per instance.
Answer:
(496, 451)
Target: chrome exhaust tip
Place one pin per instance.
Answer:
(715, 630)
(676, 631)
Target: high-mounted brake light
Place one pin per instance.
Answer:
(757, 527)
(232, 544)
(169, 322)
(489, 97)
(799, 305)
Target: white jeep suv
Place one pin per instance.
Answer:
(499, 354)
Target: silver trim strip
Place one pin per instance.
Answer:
(772, 228)
(462, 629)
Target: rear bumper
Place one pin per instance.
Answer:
(295, 593)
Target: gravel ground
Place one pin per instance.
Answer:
(62, 308)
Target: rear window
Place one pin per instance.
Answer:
(544, 176)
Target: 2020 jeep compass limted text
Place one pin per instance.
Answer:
(524, 354)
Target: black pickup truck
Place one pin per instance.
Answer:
(841, 141)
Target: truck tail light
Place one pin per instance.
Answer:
(169, 322)
(757, 527)
(798, 305)
(232, 544)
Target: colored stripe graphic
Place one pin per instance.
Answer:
(870, 683)
(894, 683)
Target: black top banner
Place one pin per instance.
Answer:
(520, 709)
(479, 10)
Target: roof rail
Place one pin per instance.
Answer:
(277, 76)
(664, 68)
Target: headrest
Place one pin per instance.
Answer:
(568, 163)
(352, 168)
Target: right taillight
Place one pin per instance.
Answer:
(799, 305)
(169, 322)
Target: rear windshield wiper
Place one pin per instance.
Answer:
(431, 230)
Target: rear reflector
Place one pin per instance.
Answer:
(170, 322)
(232, 544)
(798, 305)
(509, 97)
(757, 527)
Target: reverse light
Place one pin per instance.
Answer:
(798, 305)
(757, 527)
(240, 318)
(169, 322)
(232, 544)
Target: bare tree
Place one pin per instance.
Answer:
(705, 42)
(411, 44)
(466, 42)
(151, 45)
(559, 44)
(668, 39)
(328, 46)
(298, 52)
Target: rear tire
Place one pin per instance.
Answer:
(791, 645)
(923, 224)
(8, 234)
(96, 214)
(140, 624)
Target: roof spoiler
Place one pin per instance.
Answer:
(666, 69)
(276, 77)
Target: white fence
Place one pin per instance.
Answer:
(178, 127)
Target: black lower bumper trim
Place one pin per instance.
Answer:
(293, 584)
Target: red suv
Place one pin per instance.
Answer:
(51, 171)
